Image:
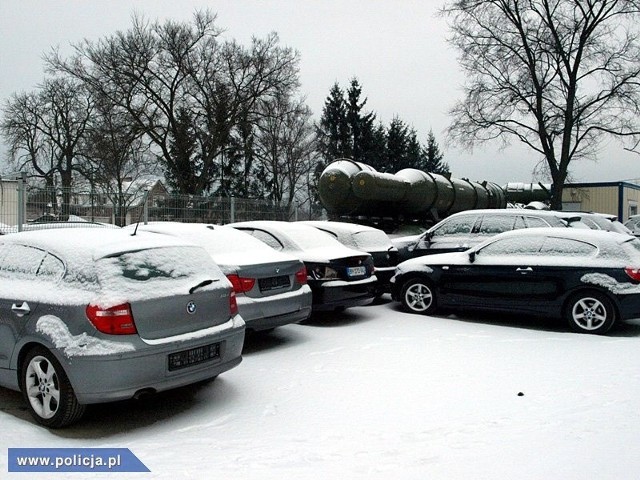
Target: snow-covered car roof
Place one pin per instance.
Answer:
(225, 244)
(28, 227)
(596, 236)
(610, 246)
(79, 247)
(115, 253)
(313, 243)
(361, 237)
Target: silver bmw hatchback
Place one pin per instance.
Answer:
(96, 315)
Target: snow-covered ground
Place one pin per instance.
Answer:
(374, 393)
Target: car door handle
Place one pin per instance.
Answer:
(523, 270)
(21, 310)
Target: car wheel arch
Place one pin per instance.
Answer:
(67, 409)
(594, 292)
(424, 279)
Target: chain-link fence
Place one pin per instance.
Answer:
(22, 205)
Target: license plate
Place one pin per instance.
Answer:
(356, 271)
(193, 356)
(273, 283)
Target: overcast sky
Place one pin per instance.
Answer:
(396, 48)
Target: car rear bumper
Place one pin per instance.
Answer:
(333, 294)
(275, 310)
(104, 378)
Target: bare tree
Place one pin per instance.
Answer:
(117, 160)
(29, 148)
(44, 130)
(286, 147)
(557, 75)
(156, 72)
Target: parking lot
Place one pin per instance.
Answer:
(376, 393)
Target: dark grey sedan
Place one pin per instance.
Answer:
(590, 278)
(95, 315)
(367, 239)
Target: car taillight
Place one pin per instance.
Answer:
(241, 284)
(633, 272)
(233, 304)
(116, 320)
(301, 276)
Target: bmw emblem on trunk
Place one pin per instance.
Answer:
(191, 308)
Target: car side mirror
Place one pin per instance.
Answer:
(472, 256)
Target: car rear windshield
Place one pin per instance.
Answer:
(632, 247)
(311, 238)
(371, 240)
(156, 263)
(228, 240)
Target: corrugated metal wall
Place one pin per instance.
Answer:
(619, 198)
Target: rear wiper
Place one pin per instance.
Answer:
(204, 283)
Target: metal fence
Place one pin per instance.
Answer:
(22, 205)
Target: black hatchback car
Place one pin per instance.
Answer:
(589, 278)
(463, 230)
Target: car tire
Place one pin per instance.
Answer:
(418, 296)
(47, 390)
(590, 312)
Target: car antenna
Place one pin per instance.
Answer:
(142, 212)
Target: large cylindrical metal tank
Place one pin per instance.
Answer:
(353, 188)
(517, 192)
(334, 187)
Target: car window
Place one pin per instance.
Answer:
(519, 223)
(51, 268)
(567, 247)
(591, 224)
(455, 226)
(20, 261)
(536, 222)
(632, 247)
(267, 238)
(513, 246)
(494, 224)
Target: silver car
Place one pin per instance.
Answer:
(271, 287)
(96, 315)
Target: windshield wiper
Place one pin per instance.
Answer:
(204, 283)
